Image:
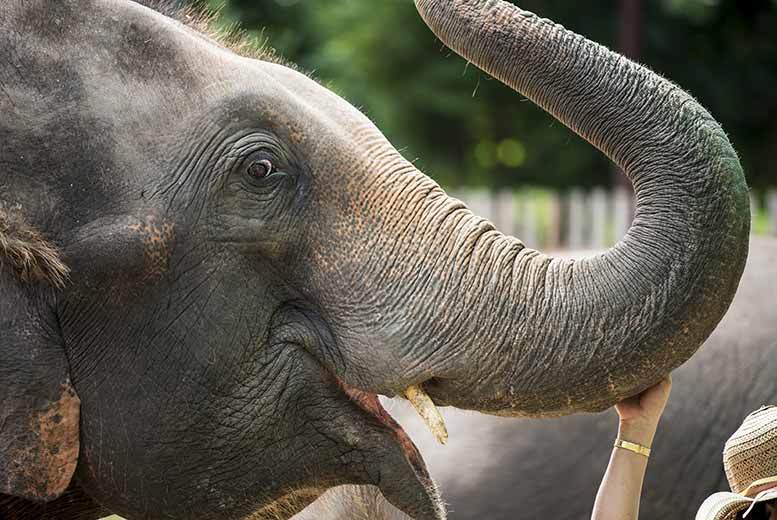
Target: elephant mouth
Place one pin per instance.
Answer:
(412, 489)
(370, 403)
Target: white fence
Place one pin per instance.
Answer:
(579, 219)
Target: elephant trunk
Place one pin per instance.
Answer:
(543, 336)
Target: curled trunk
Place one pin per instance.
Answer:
(548, 336)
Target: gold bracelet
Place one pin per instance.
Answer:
(633, 447)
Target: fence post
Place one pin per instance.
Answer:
(599, 220)
(771, 211)
(528, 212)
(575, 223)
(553, 232)
(504, 212)
(621, 212)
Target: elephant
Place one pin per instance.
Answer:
(212, 266)
(501, 469)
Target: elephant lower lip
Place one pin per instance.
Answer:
(371, 404)
(399, 471)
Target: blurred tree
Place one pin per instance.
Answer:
(467, 128)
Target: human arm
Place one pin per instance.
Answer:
(621, 487)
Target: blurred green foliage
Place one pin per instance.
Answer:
(465, 128)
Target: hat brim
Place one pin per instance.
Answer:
(726, 505)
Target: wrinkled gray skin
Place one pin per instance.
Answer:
(216, 312)
(500, 469)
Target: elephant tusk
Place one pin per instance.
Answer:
(429, 413)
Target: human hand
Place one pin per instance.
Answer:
(639, 415)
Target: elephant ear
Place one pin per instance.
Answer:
(39, 409)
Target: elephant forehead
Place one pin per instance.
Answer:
(131, 67)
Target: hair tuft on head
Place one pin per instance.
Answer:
(206, 21)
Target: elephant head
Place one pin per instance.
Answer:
(212, 265)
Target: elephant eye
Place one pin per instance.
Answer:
(259, 169)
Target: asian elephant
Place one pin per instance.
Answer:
(506, 469)
(212, 265)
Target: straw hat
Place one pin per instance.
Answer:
(750, 461)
